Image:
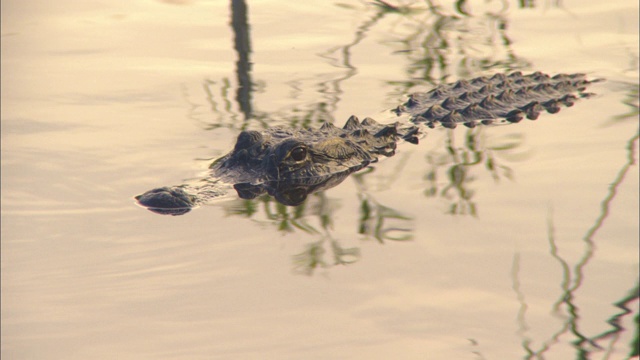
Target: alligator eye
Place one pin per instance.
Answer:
(299, 153)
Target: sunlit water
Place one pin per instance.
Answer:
(503, 242)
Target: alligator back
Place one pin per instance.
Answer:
(487, 99)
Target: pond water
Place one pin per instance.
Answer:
(498, 242)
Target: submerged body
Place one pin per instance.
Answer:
(289, 163)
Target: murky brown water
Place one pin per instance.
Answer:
(502, 242)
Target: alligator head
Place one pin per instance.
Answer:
(287, 163)
(296, 155)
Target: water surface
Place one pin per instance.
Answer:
(502, 242)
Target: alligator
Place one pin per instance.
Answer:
(290, 163)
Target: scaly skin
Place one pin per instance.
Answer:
(487, 99)
(286, 163)
(289, 163)
(285, 154)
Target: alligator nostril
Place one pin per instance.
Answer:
(248, 138)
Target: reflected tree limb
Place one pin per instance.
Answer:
(613, 190)
(242, 45)
(572, 280)
(616, 320)
(523, 327)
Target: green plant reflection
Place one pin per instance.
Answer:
(438, 39)
(313, 256)
(436, 45)
(315, 217)
(573, 278)
(458, 163)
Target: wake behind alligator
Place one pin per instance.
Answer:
(290, 163)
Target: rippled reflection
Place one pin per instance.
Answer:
(411, 256)
(438, 44)
(460, 161)
(567, 306)
(437, 47)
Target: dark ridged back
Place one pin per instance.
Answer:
(374, 137)
(486, 99)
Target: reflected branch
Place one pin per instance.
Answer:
(521, 317)
(631, 100)
(573, 278)
(310, 259)
(332, 88)
(374, 218)
(377, 220)
(436, 41)
(226, 105)
(613, 190)
(446, 43)
(242, 46)
(477, 152)
(616, 320)
(313, 257)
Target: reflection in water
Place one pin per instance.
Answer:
(527, 3)
(242, 46)
(105, 279)
(615, 321)
(438, 45)
(313, 257)
(475, 352)
(444, 44)
(288, 193)
(436, 37)
(285, 218)
(435, 40)
(458, 161)
(321, 254)
(377, 220)
(523, 327)
(566, 307)
(631, 100)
